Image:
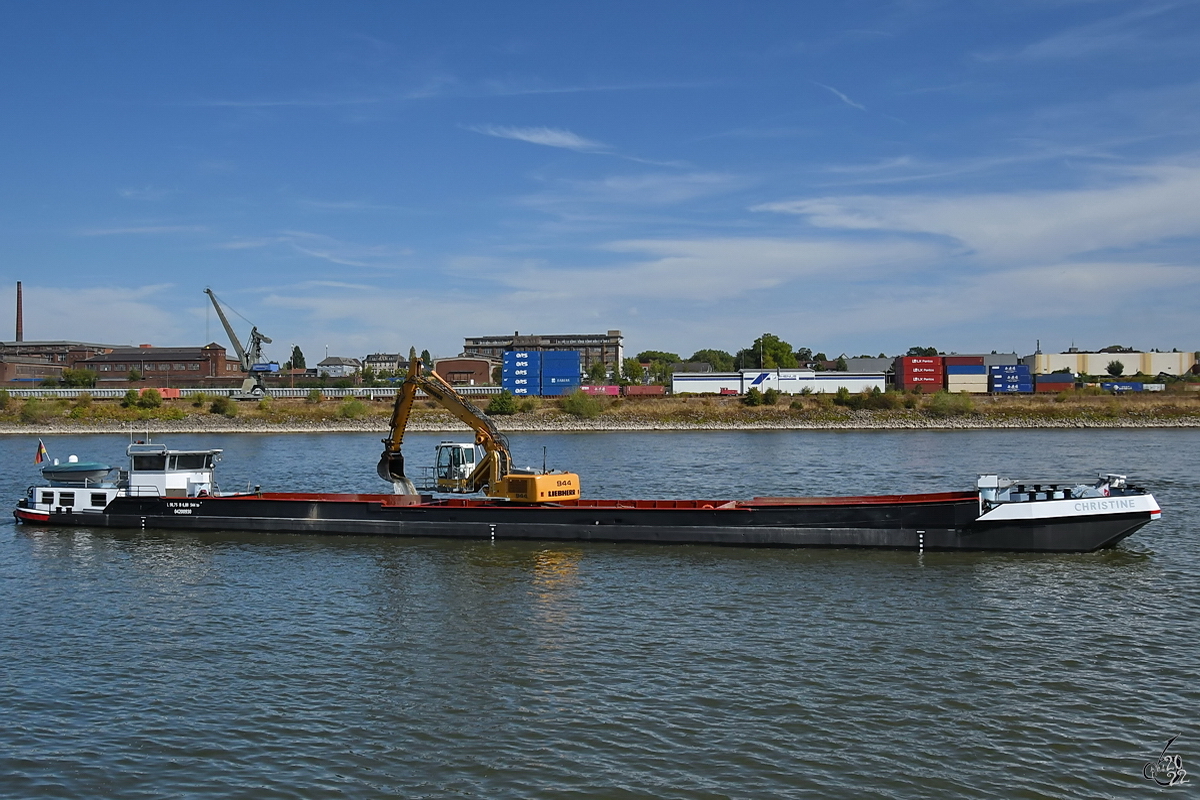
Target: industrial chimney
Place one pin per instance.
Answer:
(20, 316)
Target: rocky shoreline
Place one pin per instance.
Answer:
(566, 424)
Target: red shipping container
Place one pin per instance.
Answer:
(164, 392)
(608, 390)
(932, 360)
(644, 391)
(963, 361)
(1054, 387)
(925, 388)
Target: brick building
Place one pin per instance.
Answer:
(167, 364)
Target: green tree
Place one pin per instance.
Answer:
(426, 362)
(658, 355)
(135, 375)
(597, 373)
(841, 364)
(297, 361)
(130, 399)
(718, 359)
(150, 398)
(79, 378)
(767, 352)
(581, 404)
(5, 399)
(502, 404)
(1115, 368)
(922, 351)
(753, 397)
(631, 370)
(804, 355)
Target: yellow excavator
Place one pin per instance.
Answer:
(494, 474)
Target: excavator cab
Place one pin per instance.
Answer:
(454, 464)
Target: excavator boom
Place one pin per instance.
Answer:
(494, 474)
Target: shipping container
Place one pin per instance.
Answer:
(1053, 387)
(1124, 386)
(551, 380)
(601, 390)
(963, 361)
(559, 355)
(966, 369)
(634, 390)
(558, 391)
(523, 391)
(528, 356)
(1014, 388)
(1008, 369)
(1055, 377)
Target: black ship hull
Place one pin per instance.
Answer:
(945, 521)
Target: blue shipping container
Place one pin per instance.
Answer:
(510, 381)
(1055, 377)
(560, 380)
(560, 355)
(1014, 388)
(558, 391)
(522, 391)
(527, 356)
(1019, 369)
(966, 369)
(1121, 387)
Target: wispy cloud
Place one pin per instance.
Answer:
(548, 137)
(328, 248)
(1131, 209)
(842, 97)
(1120, 32)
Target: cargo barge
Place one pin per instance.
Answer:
(176, 490)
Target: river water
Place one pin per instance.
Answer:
(230, 665)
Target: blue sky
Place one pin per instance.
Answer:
(854, 177)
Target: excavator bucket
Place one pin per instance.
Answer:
(391, 469)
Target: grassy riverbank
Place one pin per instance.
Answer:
(892, 410)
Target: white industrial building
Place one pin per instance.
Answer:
(787, 381)
(1135, 363)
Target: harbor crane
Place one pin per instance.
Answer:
(250, 356)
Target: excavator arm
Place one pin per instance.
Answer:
(494, 474)
(497, 461)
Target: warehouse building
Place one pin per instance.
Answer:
(166, 363)
(1133, 362)
(787, 381)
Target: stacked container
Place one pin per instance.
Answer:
(560, 372)
(966, 374)
(522, 372)
(1054, 382)
(1010, 378)
(926, 373)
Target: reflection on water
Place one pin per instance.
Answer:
(151, 664)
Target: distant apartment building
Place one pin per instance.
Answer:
(394, 362)
(339, 367)
(606, 348)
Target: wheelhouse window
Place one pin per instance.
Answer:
(99, 500)
(66, 499)
(191, 461)
(149, 463)
(48, 498)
